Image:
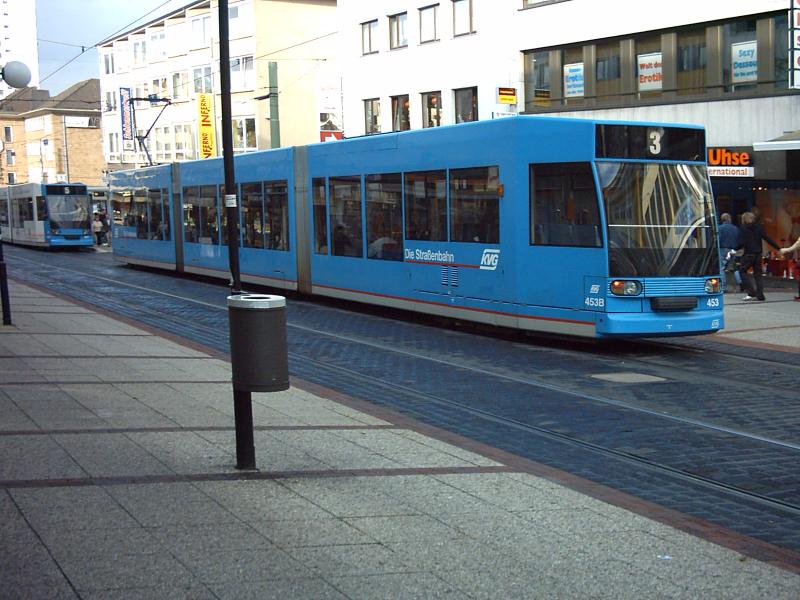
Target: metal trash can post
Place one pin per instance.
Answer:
(4, 299)
(259, 361)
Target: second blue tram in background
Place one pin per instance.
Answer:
(568, 226)
(49, 215)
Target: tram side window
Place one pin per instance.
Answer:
(320, 215)
(223, 216)
(191, 214)
(426, 205)
(159, 224)
(140, 202)
(207, 223)
(123, 206)
(346, 216)
(23, 211)
(3, 213)
(564, 209)
(253, 214)
(475, 205)
(384, 216)
(41, 209)
(277, 215)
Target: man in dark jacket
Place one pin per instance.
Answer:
(728, 240)
(750, 236)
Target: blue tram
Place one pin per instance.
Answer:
(51, 215)
(568, 226)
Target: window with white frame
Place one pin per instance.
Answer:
(201, 31)
(236, 21)
(113, 146)
(184, 142)
(180, 85)
(462, 17)
(372, 116)
(8, 133)
(11, 157)
(242, 73)
(427, 24)
(158, 45)
(12, 177)
(244, 134)
(163, 143)
(111, 102)
(140, 91)
(159, 87)
(369, 37)
(108, 63)
(397, 31)
(139, 52)
(202, 81)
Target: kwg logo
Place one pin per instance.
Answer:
(595, 289)
(490, 259)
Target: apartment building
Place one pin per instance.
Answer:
(723, 64)
(18, 39)
(55, 139)
(169, 68)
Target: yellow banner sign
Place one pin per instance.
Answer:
(506, 95)
(206, 132)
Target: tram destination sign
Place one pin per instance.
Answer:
(650, 142)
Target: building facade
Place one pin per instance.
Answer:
(723, 64)
(18, 39)
(170, 68)
(52, 140)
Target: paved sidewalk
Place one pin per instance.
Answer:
(117, 481)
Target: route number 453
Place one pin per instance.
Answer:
(712, 303)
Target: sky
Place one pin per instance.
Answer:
(66, 25)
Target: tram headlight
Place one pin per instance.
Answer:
(620, 287)
(712, 285)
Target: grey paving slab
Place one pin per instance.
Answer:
(53, 511)
(187, 452)
(398, 585)
(35, 457)
(319, 531)
(405, 528)
(253, 564)
(278, 589)
(170, 504)
(354, 559)
(167, 591)
(109, 454)
(357, 497)
(134, 571)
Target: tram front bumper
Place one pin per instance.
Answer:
(660, 323)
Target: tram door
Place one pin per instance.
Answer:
(566, 244)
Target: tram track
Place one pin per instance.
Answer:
(326, 355)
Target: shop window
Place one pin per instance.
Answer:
(427, 24)
(252, 215)
(780, 51)
(691, 62)
(649, 67)
(369, 40)
(573, 80)
(397, 31)
(475, 205)
(372, 115)
(466, 101)
(384, 216)
(345, 219)
(564, 209)
(739, 55)
(426, 205)
(608, 78)
(400, 114)
(320, 215)
(431, 109)
(537, 74)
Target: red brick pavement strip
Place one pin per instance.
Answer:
(782, 558)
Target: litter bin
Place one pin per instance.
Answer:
(257, 325)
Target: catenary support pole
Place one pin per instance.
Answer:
(4, 288)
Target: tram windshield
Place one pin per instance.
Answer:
(660, 219)
(68, 212)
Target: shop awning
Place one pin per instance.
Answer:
(788, 141)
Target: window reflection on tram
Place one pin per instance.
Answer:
(68, 212)
(660, 219)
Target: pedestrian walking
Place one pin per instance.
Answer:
(728, 241)
(788, 250)
(751, 235)
(97, 229)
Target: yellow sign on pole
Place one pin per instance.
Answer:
(206, 131)
(507, 95)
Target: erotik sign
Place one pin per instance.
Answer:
(728, 157)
